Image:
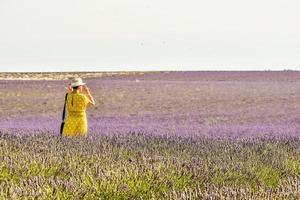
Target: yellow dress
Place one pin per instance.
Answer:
(76, 121)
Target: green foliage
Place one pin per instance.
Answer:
(293, 165)
(269, 176)
(144, 166)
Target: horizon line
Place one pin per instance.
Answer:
(133, 71)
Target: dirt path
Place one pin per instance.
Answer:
(62, 75)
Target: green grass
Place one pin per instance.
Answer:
(139, 166)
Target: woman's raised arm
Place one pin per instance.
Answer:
(87, 92)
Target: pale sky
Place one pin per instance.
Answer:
(119, 35)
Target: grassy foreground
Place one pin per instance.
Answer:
(140, 166)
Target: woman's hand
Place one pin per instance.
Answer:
(69, 88)
(85, 89)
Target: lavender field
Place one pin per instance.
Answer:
(159, 135)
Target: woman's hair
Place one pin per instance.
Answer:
(75, 88)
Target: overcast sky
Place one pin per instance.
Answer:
(109, 35)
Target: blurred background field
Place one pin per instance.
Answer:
(205, 103)
(160, 135)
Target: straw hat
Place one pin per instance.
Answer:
(76, 82)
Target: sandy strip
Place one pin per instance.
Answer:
(61, 75)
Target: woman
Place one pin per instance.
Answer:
(78, 98)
